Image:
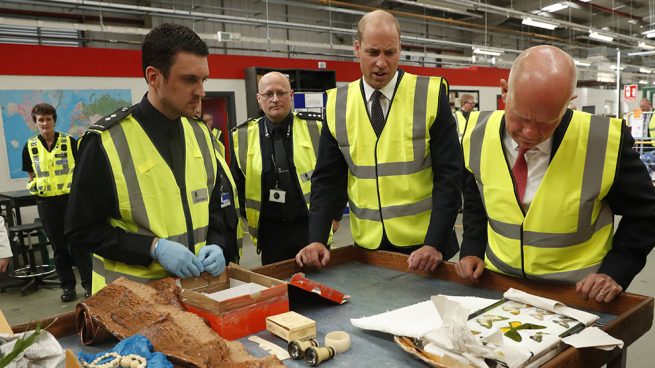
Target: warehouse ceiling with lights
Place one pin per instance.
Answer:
(602, 35)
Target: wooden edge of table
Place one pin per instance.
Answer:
(634, 312)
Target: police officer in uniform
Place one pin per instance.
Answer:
(49, 159)
(390, 143)
(273, 161)
(152, 197)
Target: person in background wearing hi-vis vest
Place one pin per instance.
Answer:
(544, 183)
(49, 159)
(152, 195)
(273, 158)
(5, 247)
(467, 104)
(647, 107)
(389, 142)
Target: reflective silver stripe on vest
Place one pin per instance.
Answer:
(591, 182)
(502, 266)
(565, 276)
(475, 148)
(390, 212)
(37, 161)
(242, 134)
(387, 168)
(111, 276)
(199, 235)
(314, 134)
(137, 206)
(307, 197)
(553, 240)
(207, 153)
(255, 205)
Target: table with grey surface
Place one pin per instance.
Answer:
(378, 282)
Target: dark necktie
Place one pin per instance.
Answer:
(283, 173)
(520, 173)
(377, 116)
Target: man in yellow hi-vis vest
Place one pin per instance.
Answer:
(390, 143)
(467, 104)
(273, 158)
(151, 194)
(49, 159)
(544, 183)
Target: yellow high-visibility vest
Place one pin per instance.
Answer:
(568, 229)
(149, 199)
(390, 178)
(461, 123)
(248, 153)
(53, 171)
(651, 127)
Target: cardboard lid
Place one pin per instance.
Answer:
(301, 282)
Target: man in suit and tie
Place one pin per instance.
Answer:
(544, 182)
(390, 146)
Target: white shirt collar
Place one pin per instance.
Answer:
(387, 90)
(545, 147)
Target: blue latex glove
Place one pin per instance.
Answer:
(212, 259)
(177, 259)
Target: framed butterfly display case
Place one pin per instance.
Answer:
(523, 326)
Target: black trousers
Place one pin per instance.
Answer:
(280, 240)
(52, 211)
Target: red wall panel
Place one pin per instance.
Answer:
(97, 62)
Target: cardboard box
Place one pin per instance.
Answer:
(240, 316)
(4, 325)
(291, 326)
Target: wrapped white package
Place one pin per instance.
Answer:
(414, 320)
(593, 337)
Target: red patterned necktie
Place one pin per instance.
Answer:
(520, 173)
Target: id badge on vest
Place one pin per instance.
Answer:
(277, 195)
(225, 200)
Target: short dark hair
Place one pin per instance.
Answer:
(43, 109)
(163, 42)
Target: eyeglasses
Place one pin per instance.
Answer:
(270, 95)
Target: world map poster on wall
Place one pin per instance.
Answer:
(76, 110)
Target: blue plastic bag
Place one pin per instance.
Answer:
(136, 344)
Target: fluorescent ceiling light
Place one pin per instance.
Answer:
(581, 63)
(555, 7)
(645, 46)
(600, 37)
(645, 70)
(538, 23)
(486, 51)
(643, 82)
(585, 1)
(613, 67)
(642, 53)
